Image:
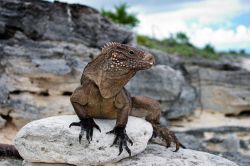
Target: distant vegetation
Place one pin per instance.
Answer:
(121, 15)
(177, 44)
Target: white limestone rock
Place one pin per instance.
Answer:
(50, 140)
(160, 156)
(156, 155)
(25, 163)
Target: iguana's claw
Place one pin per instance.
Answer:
(122, 138)
(168, 136)
(86, 124)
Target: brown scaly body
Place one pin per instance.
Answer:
(102, 95)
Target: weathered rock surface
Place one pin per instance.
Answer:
(10, 162)
(215, 143)
(241, 160)
(25, 163)
(223, 85)
(168, 86)
(215, 133)
(160, 156)
(50, 140)
(2, 122)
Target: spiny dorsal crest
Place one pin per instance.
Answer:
(109, 45)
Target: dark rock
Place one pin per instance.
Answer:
(185, 103)
(161, 82)
(241, 160)
(169, 87)
(245, 144)
(71, 22)
(190, 141)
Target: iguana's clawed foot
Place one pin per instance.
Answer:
(121, 138)
(168, 136)
(86, 124)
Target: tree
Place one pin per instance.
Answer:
(209, 48)
(121, 15)
(242, 52)
(181, 37)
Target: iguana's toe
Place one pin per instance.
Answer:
(87, 125)
(121, 139)
(168, 136)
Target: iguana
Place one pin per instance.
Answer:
(102, 95)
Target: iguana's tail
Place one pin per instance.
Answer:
(9, 151)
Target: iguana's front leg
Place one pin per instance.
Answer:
(87, 124)
(121, 138)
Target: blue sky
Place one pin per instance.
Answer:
(223, 23)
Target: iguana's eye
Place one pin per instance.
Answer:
(131, 52)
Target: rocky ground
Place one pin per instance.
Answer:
(35, 145)
(42, 55)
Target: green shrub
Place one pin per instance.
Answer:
(181, 37)
(121, 15)
(209, 48)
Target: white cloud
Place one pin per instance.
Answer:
(197, 20)
(222, 39)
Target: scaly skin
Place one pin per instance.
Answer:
(102, 95)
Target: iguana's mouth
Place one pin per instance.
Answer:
(142, 65)
(148, 58)
(147, 61)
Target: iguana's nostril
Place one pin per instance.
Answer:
(149, 58)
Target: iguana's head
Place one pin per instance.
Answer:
(121, 58)
(114, 67)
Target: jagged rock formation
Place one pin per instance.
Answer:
(72, 23)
